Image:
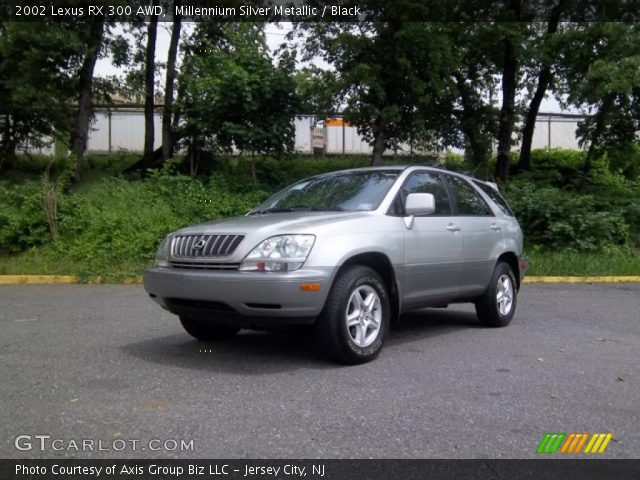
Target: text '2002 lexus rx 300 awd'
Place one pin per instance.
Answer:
(346, 252)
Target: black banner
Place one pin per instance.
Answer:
(318, 469)
(321, 10)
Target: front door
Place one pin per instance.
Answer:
(433, 246)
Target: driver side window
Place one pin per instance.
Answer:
(424, 182)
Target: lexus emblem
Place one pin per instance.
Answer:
(199, 244)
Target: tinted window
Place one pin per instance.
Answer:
(426, 182)
(336, 191)
(467, 198)
(494, 195)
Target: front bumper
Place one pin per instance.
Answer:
(240, 298)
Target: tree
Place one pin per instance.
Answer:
(317, 90)
(167, 111)
(394, 78)
(38, 83)
(149, 91)
(475, 81)
(94, 30)
(600, 72)
(511, 39)
(546, 50)
(235, 94)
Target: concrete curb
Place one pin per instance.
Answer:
(70, 279)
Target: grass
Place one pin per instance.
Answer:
(569, 263)
(46, 260)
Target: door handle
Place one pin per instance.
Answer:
(453, 228)
(495, 228)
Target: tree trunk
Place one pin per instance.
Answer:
(477, 149)
(85, 85)
(8, 150)
(544, 79)
(254, 176)
(378, 145)
(167, 111)
(507, 112)
(149, 72)
(596, 138)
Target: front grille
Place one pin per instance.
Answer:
(205, 266)
(204, 246)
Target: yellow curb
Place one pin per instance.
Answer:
(132, 281)
(69, 279)
(58, 279)
(596, 279)
(36, 279)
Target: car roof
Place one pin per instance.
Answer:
(402, 168)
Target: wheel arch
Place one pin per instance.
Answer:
(511, 259)
(380, 263)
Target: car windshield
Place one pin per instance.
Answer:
(341, 191)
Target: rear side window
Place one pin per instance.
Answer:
(494, 195)
(427, 182)
(469, 201)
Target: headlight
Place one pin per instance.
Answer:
(283, 253)
(164, 250)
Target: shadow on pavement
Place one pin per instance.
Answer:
(252, 353)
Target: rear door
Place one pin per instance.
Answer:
(480, 231)
(433, 245)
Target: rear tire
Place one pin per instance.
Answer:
(496, 307)
(202, 330)
(355, 320)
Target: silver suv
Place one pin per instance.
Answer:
(347, 252)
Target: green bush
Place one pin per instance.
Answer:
(558, 219)
(23, 223)
(113, 221)
(112, 226)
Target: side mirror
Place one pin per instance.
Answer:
(420, 204)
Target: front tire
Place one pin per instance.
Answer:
(355, 321)
(198, 328)
(496, 307)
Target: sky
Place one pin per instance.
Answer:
(275, 36)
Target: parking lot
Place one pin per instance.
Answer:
(102, 363)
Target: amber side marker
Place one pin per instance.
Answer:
(309, 287)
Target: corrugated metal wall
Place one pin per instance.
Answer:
(123, 130)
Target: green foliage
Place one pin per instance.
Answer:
(23, 223)
(559, 219)
(112, 226)
(234, 96)
(393, 77)
(37, 62)
(317, 90)
(114, 220)
(599, 68)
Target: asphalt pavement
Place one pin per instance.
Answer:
(102, 366)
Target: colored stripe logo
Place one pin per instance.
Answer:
(573, 443)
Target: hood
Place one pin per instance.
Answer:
(267, 224)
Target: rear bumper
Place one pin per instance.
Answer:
(240, 298)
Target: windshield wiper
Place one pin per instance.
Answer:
(299, 208)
